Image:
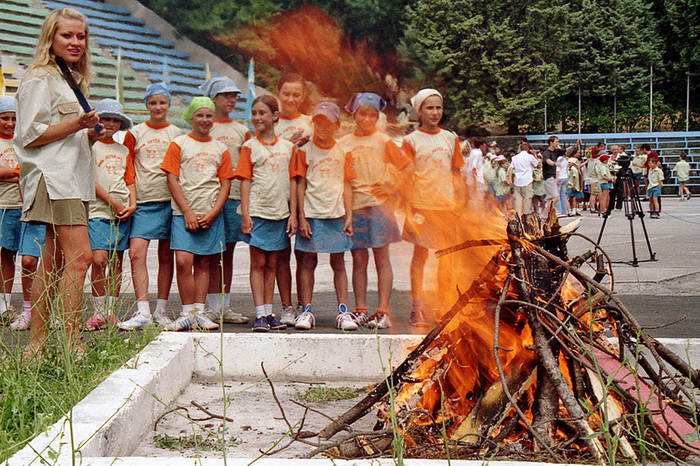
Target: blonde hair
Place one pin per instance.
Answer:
(44, 57)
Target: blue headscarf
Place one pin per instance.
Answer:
(365, 98)
(218, 85)
(7, 104)
(156, 89)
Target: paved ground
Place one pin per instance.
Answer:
(658, 292)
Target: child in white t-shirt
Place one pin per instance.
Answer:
(199, 177)
(656, 181)
(682, 170)
(295, 127)
(325, 213)
(110, 213)
(268, 206)
(224, 93)
(377, 161)
(437, 187)
(152, 220)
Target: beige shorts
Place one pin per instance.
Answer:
(55, 212)
(594, 188)
(550, 188)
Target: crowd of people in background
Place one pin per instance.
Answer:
(78, 196)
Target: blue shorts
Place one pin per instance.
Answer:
(109, 235)
(605, 186)
(374, 227)
(654, 192)
(32, 240)
(200, 243)
(326, 236)
(269, 235)
(152, 220)
(637, 176)
(232, 222)
(10, 229)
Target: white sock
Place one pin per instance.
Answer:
(4, 301)
(214, 301)
(27, 307)
(198, 307)
(187, 309)
(160, 304)
(260, 311)
(143, 308)
(268, 309)
(113, 304)
(227, 301)
(100, 304)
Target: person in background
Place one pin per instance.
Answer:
(520, 174)
(656, 178)
(682, 170)
(549, 171)
(605, 180)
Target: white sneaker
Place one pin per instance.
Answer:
(305, 321)
(182, 323)
(21, 322)
(289, 316)
(137, 322)
(378, 320)
(161, 318)
(203, 322)
(344, 321)
(233, 317)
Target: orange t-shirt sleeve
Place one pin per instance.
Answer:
(298, 165)
(130, 172)
(16, 170)
(408, 150)
(244, 169)
(225, 171)
(171, 161)
(395, 155)
(349, 168)
(247, 136)
(457, 159)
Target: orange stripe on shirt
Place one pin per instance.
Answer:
(457, 159)
(244, 169)
(298, 165)
(395, 155)
(349, 168)
(225, 171)
(171, 160)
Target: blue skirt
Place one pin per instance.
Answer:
(269, 235)
(374, 227)
(605, 186)
(654, 192)
(232, 222)
(32, 240)
(109, 235)
(200, 243)
(152, 220)
(10, 229)
(326, 236)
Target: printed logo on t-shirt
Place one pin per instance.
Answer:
(111, 163)
(326, 168)
(202, 162)
(153, 148)
(8, 158)
(276, 162)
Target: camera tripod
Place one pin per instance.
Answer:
(624, 186)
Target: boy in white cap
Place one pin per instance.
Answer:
(224, 93)
(325, 212)
(110, 213)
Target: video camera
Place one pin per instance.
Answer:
(624, 161)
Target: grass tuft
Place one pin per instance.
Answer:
(326, 394)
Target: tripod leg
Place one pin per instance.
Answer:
(635, 262)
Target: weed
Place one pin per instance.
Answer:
(200, 443)
(326, 394)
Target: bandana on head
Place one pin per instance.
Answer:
(106, 108)
(7, 104)
(196, 104)
(418, 99)
(156, 89)
(218, 85)
(365, 98)
(328, 110)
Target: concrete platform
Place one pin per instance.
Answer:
(114, 418)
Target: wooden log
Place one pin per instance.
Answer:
(378, 392)
(495, 406)
(612, 412)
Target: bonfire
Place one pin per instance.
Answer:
(535, 360)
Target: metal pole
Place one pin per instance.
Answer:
(545, 107)
(615, 113)
(651, 98)
(579, 109)
(687, 104)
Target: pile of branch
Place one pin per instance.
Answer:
(564, 389)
